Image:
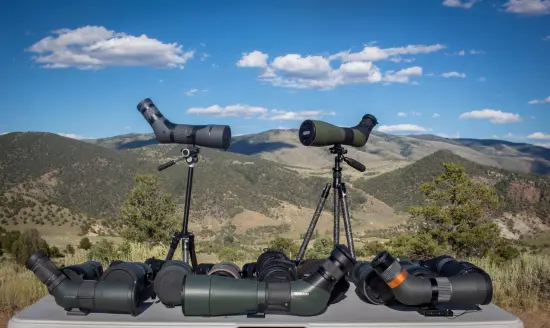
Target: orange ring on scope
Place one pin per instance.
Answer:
(399, 279)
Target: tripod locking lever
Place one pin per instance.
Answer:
(355, 164)
(168, 164)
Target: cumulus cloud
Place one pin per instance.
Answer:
(539, 136)
(402, 76)
(95, 47)
(466, 4)
(528, 7)
(248, 112)
(494, 116)
(253, 59)
(435, 115)
(542, 101)
(402, 114)
(370, 53)
(477, 52)
(192, 92)
(545, 145)
(402, 128)
(314, 71)
(453, 74)
(72, 136)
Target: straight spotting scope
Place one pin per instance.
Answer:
(321, 134)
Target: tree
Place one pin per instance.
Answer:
(147, 212)
(85, 244)
(285, 245)
(69, 249)
(456, 217)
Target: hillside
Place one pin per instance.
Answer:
(383, 152)
(521, 192)
(43, 169)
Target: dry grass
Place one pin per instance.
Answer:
(521, 286)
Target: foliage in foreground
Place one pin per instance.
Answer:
(455, 220)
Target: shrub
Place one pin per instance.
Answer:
(85, 244)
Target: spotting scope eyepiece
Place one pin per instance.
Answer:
(210, 295)
(320, 133)
(211, 136)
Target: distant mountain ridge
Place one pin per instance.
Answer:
(382, 150)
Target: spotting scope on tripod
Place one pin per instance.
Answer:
(321, 134)
(193, 136)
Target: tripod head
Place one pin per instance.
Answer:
(339, 151)
(190, 154)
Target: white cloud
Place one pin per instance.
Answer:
(192, 92)
(542, 101)
(203, 44)
(413, 113)
(477, 52)
(528, 7)
(545, 145)
(546, 38)
(466, 4)
(435, 115)
(461, 53)
(204, 56)
(402, 114)
(402, 128)
(2, 133)
(402, 76)
(442, 135)
(314, 71)
(72, 136)
(95, 47)
(539, 136)
(482, 79)
(494, 116)
(160, 81)
(370, 53)
(127, 127)
(247, 111)
(253, 59)
(453, 74)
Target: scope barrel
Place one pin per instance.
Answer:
(320, 134)
(211, 136)
(208, 295)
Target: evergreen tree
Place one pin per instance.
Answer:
(147, 212)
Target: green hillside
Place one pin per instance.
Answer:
(521, 192)
(91, 179)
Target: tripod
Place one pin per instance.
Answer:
(340, 202)
(191, 157)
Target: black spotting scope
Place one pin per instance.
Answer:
(470, 289)
(209, 295)
(320, 133)
(211, 136)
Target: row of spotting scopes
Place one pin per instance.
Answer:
(272, 284)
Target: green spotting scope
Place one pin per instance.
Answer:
(321, 134)
(221, 296)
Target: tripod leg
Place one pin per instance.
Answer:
(313, 223)
(347, 221)
(336, 212)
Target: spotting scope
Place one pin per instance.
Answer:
(321, 134)
(212, 295)
(211, 136)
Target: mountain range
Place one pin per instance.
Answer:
(266, 179)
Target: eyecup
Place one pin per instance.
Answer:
(342, 254)
(371, 117)
(29, 264)
(382, 261)
(142, 103)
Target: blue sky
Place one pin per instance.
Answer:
(476, 69)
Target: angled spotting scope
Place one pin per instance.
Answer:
(320, 133)
(211, 136)
(470, 289)
(217, 296)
